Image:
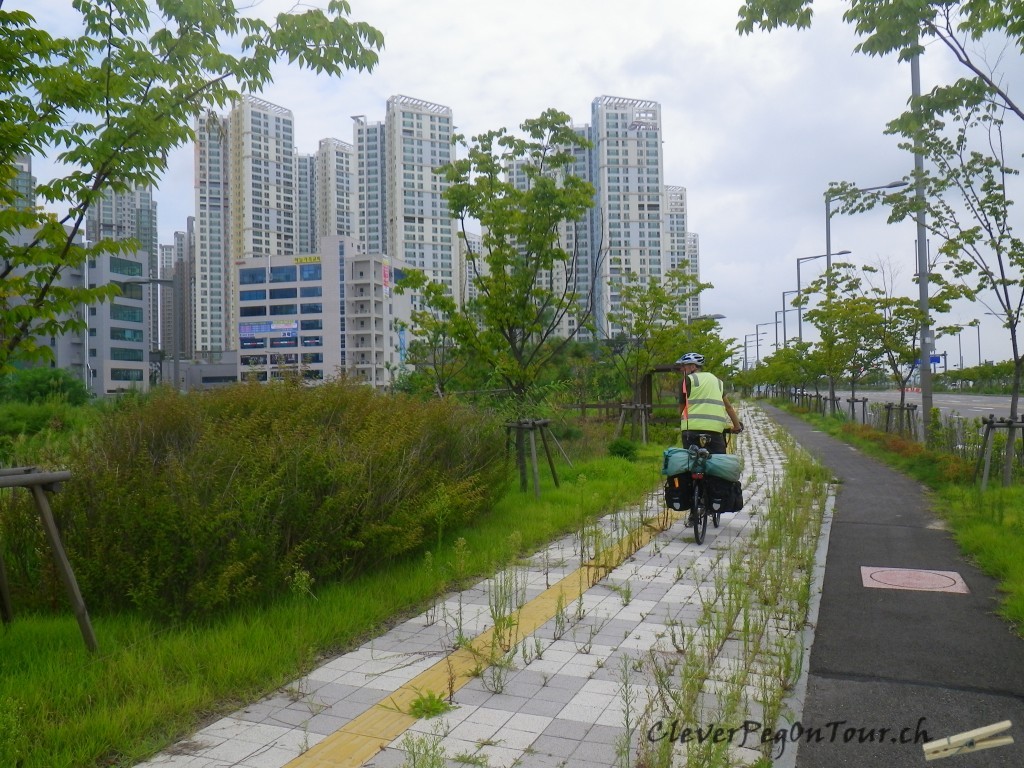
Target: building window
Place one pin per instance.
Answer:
(309, 272)
(283, 309)
(251, 276)
(283, 293)
(283, 274)
(312, 309)
(123, 334)
(311, 325)
(126, 374)
(126, 314)
(252, 311)
(120, 353)
(259, 295)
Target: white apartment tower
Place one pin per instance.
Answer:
(628, 173)
(261, 169)
(420, 230)
(681, 248)
(262, 199)
(305, 203)
(371, 198)
(334, 202)
(210, 297)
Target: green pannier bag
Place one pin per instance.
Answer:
(676, 460)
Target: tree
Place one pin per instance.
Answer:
(845, 324)
(437, 325)
(112, 103)
(968, 206)
(525, 277)
(653, 323)
(531, 209)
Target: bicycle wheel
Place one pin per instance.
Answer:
(716, 515)
(699, 514)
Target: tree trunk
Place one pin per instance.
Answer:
(1011, 437)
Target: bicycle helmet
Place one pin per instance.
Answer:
(691, 358)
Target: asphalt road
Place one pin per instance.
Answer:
(968, 406)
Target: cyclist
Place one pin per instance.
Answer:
(703, 407)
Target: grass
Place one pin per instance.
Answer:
(989, 526)
(60, 707)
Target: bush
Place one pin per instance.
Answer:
(40, 385)
(185, 505)
(623, 448)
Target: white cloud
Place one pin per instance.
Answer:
(756, 127)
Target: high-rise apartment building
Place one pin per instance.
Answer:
(184, 275)
(628, 177)
(420, 229)
(305, 203)
(371, 198)
(210, 312)
(335, 202)
(681, 245)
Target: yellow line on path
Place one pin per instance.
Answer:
(364, 736)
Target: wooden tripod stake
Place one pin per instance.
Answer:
(39, 483)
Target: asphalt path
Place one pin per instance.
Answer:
(968, 406)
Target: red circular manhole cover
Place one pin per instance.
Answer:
(909, 579)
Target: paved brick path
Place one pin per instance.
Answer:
(569, 693)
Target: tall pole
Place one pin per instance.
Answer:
(777, 313)
(785, 335)
(922, 261)
(800, 309)
(175, 320)
(977, 327)
(760, 333)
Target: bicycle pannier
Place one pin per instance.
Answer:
(679, 492)
(737, 496)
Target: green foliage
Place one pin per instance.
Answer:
(429, 704)
(37, 385)
(152, 683)
(218, 499)
(623, 448)
(525, 273)
(14, 737)
(653, 325)
(112, 103)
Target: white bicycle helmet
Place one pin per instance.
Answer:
(691, 358)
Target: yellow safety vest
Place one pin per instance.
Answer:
(704, 410)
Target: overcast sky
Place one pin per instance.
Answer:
(755, 127)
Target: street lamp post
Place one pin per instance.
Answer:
(828, 214)
(800, 309)
(785, 336)
(757, 328)
(777, 321)
(977, 327)
(746, 356)
(175, 318)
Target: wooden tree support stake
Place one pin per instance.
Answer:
(39, 483)
(532, 426)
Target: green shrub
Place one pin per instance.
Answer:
(185, 505)
(39, 385)
(623, 448)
